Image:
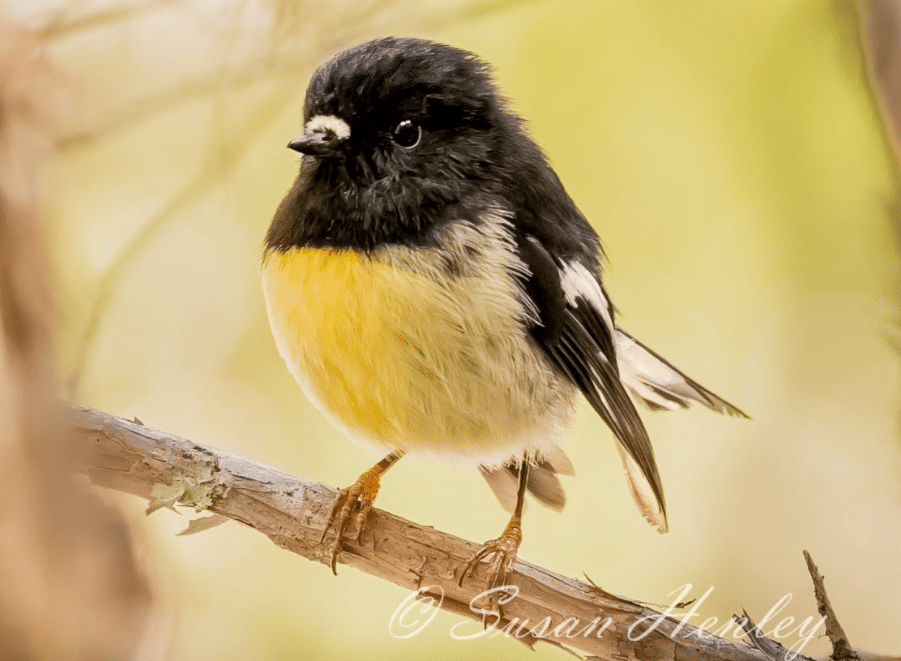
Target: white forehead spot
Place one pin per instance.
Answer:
(331, 123)
(579, 282)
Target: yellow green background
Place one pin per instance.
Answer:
(730, 155)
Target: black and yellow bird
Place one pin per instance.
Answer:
(434, 289)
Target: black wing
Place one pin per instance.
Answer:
(577, 334)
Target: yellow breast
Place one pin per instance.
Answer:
(413, 348)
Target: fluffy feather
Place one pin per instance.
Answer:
(405, 355)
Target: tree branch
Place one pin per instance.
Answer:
(129, 456)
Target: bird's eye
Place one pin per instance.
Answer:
(407, 134)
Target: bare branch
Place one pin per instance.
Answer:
(292, 512)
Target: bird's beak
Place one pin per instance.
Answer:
(323, 135)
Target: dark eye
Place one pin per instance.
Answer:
(407, 134)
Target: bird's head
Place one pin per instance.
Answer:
(397, 133)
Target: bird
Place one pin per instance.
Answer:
(434, 290)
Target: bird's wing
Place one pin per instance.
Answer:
(660, 385)
(576, 331)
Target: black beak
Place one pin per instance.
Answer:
(318, 142)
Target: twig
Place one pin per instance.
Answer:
(292, 512)
(841, 648)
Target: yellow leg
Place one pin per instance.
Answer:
(505, 548)
(357, 498)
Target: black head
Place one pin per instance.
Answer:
(396, 133)
(403, 135)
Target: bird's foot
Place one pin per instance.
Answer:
(355, 499)
(503, 551)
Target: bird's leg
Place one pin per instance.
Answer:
(358, 497)
(504, 548)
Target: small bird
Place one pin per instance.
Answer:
(434, 289)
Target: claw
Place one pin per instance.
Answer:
(355, 499)
(504, 550)
(474, 560)
(337, 505)
(363, 517)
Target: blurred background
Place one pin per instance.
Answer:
(733, 160)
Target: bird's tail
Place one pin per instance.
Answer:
(651, 380)
(543, 482)
(658, 384)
